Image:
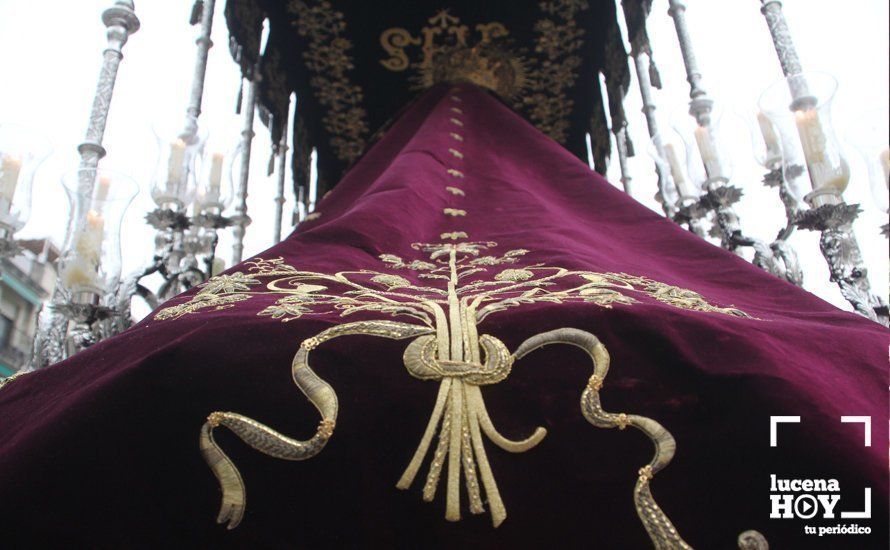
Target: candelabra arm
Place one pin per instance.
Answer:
(776, 258)
(49, 341)
(786, 255)
(842, 253)
(131, 287)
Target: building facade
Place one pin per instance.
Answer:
(26, 280)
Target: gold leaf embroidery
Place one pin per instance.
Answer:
(458, 137)
(454, 235)
(454, 212)
(445, 348)
(456, 153)
(455, 173)
(455, 191)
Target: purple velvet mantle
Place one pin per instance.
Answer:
(102, 449)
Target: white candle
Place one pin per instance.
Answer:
(10, 166)
(770, 138)
(83, 270)
(216, 167)
(823, 173)
(175, 165)
(677, 172)
(708, 150)
(101, 193)
(885, 164)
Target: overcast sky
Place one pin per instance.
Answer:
(52, 58)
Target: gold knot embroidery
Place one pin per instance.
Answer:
(458, 137)
(457, 99)
(454, 235)
(457, 110)
(457, 122)
(455, 173)
(455, 153)
(621, 421)
(312, 216)
(310, 343)
(454, 212)
(446, 348)
(595, 383)
(326, 428)
(214, 419)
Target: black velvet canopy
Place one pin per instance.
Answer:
(355, 64)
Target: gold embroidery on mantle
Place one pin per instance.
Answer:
(659, 527)
(444, 314)
(328, 58)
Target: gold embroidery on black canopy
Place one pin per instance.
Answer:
(329, 60)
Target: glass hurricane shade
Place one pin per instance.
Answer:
(174, 181)
(215, 168)
(707, 159)
(90, 260)
(670, 158)
(870, 134)
(766, 142)
(21, 152)
(799, 108)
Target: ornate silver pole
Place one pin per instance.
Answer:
(300, 206)
(720, 196)
(52, 326)
(636, 52)
(620, 134)
(242, 220)
(282, 166)
(120, 21)
(179, 238)
(205, 9)
(778, 30)
(829, 214)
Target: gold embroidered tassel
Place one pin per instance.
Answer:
(432, 478)
(234, 498)
(452, 498)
